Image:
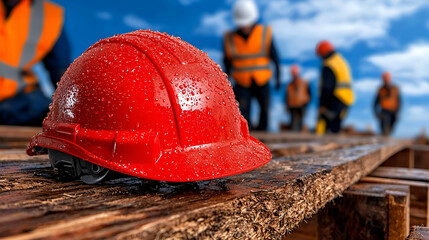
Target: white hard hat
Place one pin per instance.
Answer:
(245, 13)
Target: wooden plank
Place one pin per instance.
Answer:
(265, 203)
(367, 211)
(404, 158)
(421, 156)
(419, 233)
(419, 198)
(414, 174)
(16, 136)
(294, 148)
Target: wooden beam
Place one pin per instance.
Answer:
(265, 203)
(419, 197)
(414, 174)
(404, 158)
(421, 156)
(367, 211)
(282, 149)
(419, 233)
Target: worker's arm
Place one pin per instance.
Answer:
(274, 56)
(58, 59)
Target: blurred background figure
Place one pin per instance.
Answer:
(247, 54)
(31, 31)
(387, 104)
(336, 94)
(298, 95)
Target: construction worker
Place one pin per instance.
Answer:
(31, 31)
(336, 94)
(298, 95)
(248, 51)
(387, 104)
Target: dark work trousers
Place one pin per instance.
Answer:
(387, 121)
(24, 109)
(296, 118)
(244, 96)
(333, 123)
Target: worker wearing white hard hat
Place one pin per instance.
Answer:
(248, 52)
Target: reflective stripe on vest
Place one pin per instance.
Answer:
(29, 49)
(343, 86)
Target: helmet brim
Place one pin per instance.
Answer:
(188, 164)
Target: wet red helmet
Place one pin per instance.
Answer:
(323, 48)
(149, 105)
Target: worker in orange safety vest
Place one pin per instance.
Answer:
(298, 95)
(387, 104)
(248, 52)
(31, 31)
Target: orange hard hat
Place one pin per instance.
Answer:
(386, 76)
(148, 105)
(323, 48)
(294, 70)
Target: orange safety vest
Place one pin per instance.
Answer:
(26, 36)
(297, 93)
(250, 58)
(389, 98)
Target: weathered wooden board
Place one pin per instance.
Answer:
(415, 174)
(419, 233)
(265, 203)
(366, 211)
(419, 197)
(16, 137)
(421, 156)
(404, 159)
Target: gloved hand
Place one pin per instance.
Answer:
(330, 115)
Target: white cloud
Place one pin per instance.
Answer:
(366, 85)
(300, 25)
(310, 74)
(136, 22)
(408, 67)
(215, 24)
(104, 15)
(417, 110)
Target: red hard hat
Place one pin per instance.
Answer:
(150, 105)
(294, 70)
(323, 48)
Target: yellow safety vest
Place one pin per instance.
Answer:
(250, 58)
(26, 36)
(343, 89)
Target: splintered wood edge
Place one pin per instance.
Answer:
(271, 213)
(268, 213)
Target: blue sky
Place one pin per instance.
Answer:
(373, 35)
